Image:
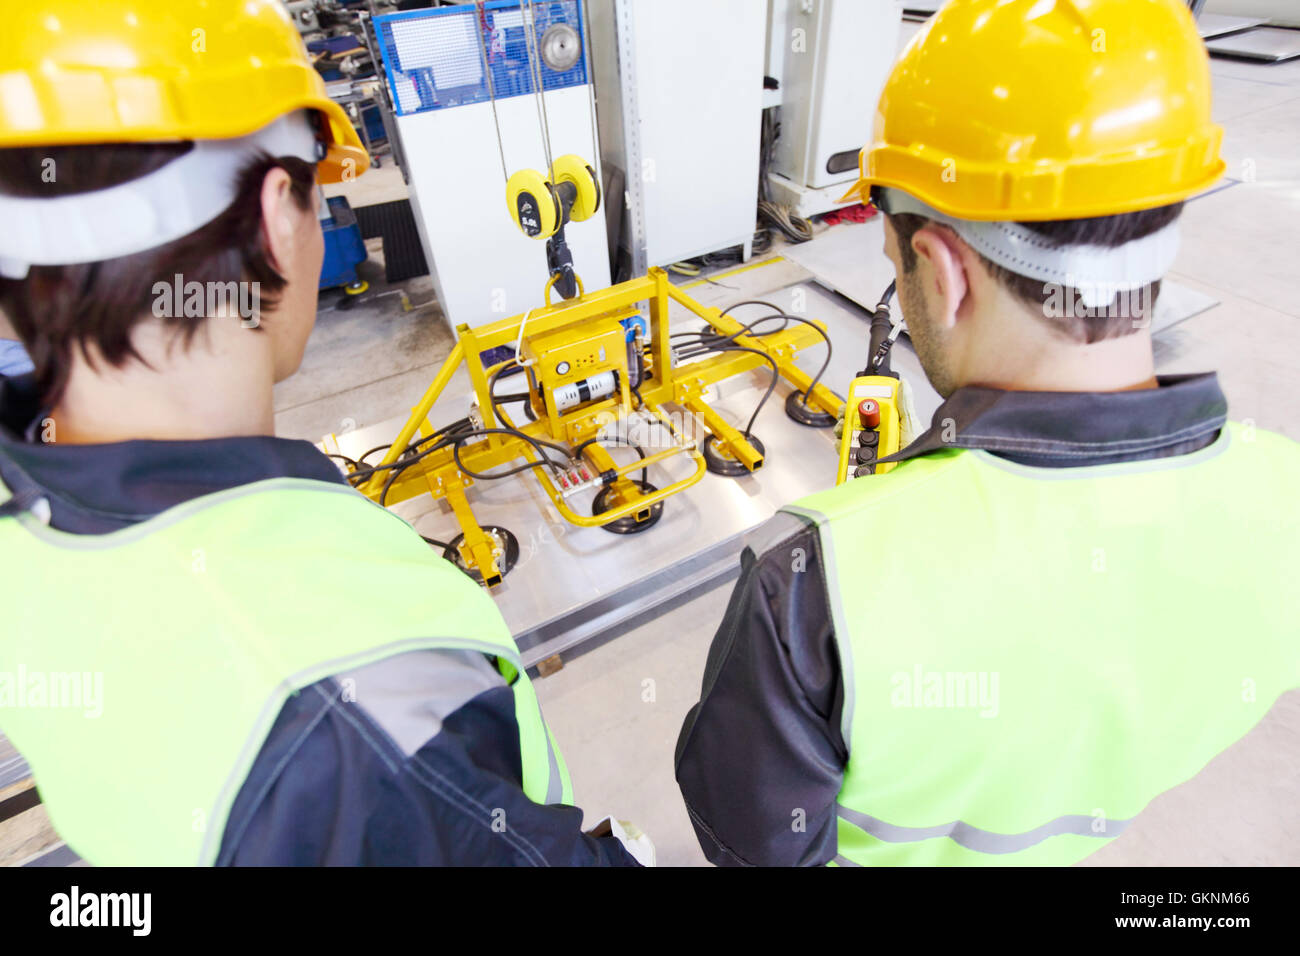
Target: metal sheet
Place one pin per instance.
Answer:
(1271, 44)
(576, 586)
(1217, 25)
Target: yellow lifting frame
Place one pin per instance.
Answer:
(437, 473)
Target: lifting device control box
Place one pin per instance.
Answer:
(871, 427)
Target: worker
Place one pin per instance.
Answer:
(1075, 589)
(281, 672)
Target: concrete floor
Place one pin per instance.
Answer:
(616, 711)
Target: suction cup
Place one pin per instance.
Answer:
(505, 547)
(628, 523)
(720, 462)
(805, 414)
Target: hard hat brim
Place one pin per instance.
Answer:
(1077, 206)
(345, 157)
(860, 191)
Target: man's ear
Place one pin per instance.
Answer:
(946, 274)
(278, 224)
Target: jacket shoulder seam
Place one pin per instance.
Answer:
(237, 834)
(414, 763)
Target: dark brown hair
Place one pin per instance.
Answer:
(57, 309)
(1109, 231)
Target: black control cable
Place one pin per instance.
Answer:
(456, 440)
(617, 440)
(709, 345)
(708, 341)
(883, 334)
(778, 313)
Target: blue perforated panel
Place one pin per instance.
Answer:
(434, 58)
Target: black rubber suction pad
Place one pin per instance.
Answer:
(506, 542)
(628, 523)
(805, 414)
(721, 463)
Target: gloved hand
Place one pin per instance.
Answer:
(909, 426)
(628, 834)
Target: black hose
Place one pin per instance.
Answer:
(708, 341)
(454, 428)
(362, 459)
(617, 440)
(509, 425)
(709, 347)
(881, 327)
(484, 476)
(496, 399)
(786, 319)
(455, 441)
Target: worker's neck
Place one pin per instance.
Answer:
(1032, 357)
(219, 386)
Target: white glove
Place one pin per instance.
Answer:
(908, 424)
(630, 835)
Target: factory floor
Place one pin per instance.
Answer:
(370, 362)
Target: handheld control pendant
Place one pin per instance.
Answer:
(872, 414)
(871, 427)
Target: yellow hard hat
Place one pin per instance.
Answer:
(1047, 109)
(138, 71)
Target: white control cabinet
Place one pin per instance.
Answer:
(832, 58)
(679, 87)
(483, 267)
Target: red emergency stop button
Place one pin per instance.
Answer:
(869, 412)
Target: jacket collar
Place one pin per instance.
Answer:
(94, 489)
(1071, 429)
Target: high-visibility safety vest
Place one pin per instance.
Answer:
(196, 626)
(1031, 655)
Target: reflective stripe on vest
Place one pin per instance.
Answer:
(1032, 655)
(196, 626)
